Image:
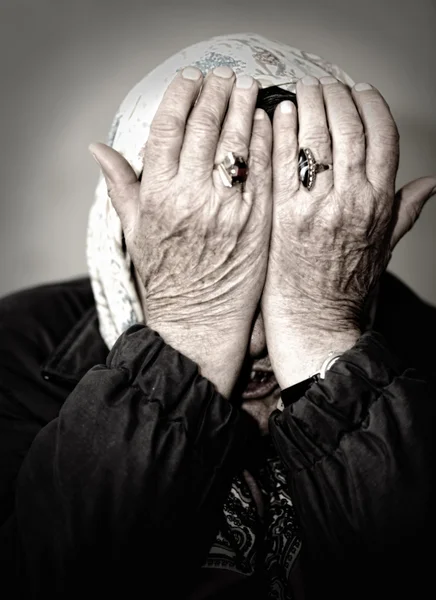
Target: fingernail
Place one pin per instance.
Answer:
(259, 114)
(244, 82)
(286, 107)
(361, 87)
(191, 73)
(328, 79)
(223, 71)
(309, 80)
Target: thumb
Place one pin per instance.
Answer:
(408, 204)
(121, 181)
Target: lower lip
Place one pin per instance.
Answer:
(257, 390)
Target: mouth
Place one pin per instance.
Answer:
(261, 384)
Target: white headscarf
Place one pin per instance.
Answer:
(271, 63)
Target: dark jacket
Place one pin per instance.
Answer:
(114, 466)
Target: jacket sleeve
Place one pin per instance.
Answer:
(359, 457)
(125, 487)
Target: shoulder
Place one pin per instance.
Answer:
(75, 293)
(33, 322)
(44, 314)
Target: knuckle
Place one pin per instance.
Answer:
(167, 125)
(236, 142)
(240, 104)
(317, 135)
(386, 133)
(351, 129)
(260, 158)
(204, 120)
(110, 188)
(391, 163)
(351, 161)
(380, 116)
(332, 220)
(284, 156)
(348, 170)
(412, 213)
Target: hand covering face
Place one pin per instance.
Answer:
(258, 512)
(271, 63)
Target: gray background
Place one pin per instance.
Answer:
(66, 66)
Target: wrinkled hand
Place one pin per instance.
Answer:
(200, 249)
(329, 246)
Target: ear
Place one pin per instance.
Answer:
(121, 181)
(409, 202)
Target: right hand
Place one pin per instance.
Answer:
(200, 249)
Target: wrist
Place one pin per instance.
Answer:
(219, 357)
(298, 354)
(312, 315)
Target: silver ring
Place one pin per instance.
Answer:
(233, 169)
(309, 168)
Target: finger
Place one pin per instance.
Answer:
(409, 202)
(167, 130)
(257, 194)
(285, 178)
(236, 130)
(382, 137)
(313, 129)
(347, 134)
(204, 124)
(121, 181)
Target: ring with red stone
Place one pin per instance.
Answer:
(309, 168)
(233, 169)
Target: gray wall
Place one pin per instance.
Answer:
(66, 65)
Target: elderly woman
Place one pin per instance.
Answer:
(234, 410)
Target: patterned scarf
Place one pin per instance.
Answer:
(259, 520)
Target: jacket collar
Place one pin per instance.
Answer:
(81, 349)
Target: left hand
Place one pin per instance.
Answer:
(330, 246)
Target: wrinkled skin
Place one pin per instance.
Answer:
(330, 245)
(202, 251)
(194, 242)
(335, 239)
